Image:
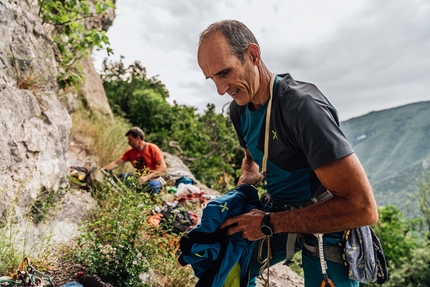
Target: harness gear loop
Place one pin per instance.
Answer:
(326, 281)
(265, 262)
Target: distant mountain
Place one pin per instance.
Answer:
(394, 147)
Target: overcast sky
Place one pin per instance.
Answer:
(364, 55)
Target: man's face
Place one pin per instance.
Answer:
(133, 142)
(230, 75)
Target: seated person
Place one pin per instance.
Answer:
(146, 158)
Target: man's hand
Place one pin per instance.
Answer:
(250, 173)
(143, 179)
(248, 224)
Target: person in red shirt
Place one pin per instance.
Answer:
(146, 157)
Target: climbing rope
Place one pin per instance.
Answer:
(27, 276)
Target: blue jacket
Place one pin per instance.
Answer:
(211, 253)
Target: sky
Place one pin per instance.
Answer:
(364, 55)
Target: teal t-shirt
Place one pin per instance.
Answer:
(304, 134)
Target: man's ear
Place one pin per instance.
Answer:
(254, 52)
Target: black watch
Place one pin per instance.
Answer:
(266, 228)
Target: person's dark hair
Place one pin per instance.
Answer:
(135, 132)
(237, 34)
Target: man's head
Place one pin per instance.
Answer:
(229, 55)
(135, 132)
(135, 137)
(238, 36)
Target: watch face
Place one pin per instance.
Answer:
(266, 230)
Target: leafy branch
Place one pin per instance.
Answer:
(72, 39)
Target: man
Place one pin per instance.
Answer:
(146, 158)
(307, 153)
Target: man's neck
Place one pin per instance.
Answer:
(263, 93)
(141, 146)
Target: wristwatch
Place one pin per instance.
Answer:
(266, 228)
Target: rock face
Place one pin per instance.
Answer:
(33, 123)
(34, 116)
(92, 89)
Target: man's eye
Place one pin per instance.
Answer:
(224, 73)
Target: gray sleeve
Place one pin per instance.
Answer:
(317, 131)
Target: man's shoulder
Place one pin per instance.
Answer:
(152, 146)
(292, 93)
(236, 110)
(149, 144)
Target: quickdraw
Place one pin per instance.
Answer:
(28, 276)
(326, 281)
(265, 262)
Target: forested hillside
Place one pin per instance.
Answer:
(394, 148)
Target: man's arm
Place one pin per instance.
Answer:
(353, 205)
(250, 173)
(114, 164)
(161, 168)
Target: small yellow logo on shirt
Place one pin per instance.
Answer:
(224, 206)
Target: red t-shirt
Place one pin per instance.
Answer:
(149, 157)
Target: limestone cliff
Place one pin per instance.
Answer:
(34, 115)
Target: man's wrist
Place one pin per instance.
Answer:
(266, 226)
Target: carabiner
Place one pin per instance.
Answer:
(327, 282)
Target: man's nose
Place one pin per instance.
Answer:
(221, 87)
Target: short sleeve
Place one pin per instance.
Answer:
(317, 131)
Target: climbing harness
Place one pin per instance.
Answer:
(266, 200)
(27, 276)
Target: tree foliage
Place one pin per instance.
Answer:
(424, 200)
(405, 248)
(399, 235)
(72, 39)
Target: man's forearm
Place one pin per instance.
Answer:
(152, 174)
(250, 173)
(111, 166)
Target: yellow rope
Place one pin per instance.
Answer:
(266, 133)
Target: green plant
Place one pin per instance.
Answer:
(18, 241)
(72, 38)
(118, 243)
(29, 74)
(424, 200)
(9, 254)
(45, 201)
(101, 136)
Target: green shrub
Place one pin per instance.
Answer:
(119, 244)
